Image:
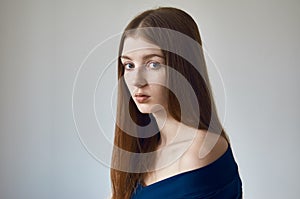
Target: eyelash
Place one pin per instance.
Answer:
(148, 65)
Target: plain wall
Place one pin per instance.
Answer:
(254, 44)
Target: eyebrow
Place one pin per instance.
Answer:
(144, 57)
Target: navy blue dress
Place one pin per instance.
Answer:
(218, 180)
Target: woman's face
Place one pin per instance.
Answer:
(145, 74)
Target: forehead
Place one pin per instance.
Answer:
(138, 45)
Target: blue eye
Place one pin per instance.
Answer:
(154, 65)
(128, 66)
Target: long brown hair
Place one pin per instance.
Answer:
(124, 182)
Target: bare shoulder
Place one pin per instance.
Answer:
(191, 159)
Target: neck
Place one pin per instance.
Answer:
(168, 127)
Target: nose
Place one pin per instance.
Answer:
(139, 79)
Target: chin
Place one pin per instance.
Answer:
(146, 109)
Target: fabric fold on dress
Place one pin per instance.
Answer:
(217, 180)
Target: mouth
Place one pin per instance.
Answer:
(141, 98)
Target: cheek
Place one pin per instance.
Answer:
(158, 78)
(129, 86)
(126, 78)
(161, 93)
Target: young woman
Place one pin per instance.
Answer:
(169, 142)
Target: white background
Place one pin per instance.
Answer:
(255, 45)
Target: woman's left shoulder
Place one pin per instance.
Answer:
(191, 158)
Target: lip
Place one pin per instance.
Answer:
(141, 98)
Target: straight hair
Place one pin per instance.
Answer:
(124, 182)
